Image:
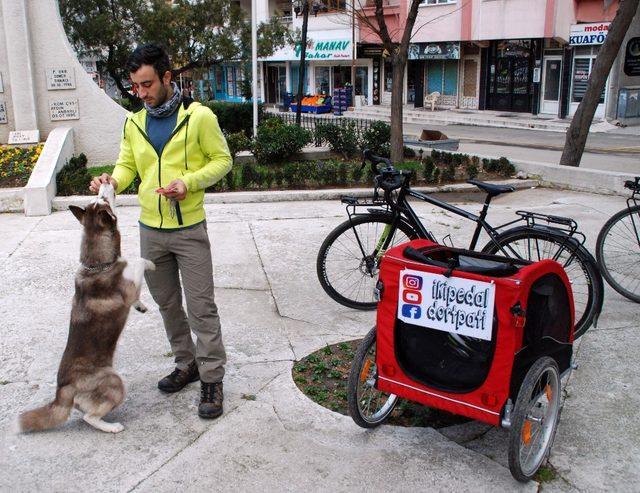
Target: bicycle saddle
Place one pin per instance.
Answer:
(490, 188)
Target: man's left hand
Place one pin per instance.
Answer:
(176, 190)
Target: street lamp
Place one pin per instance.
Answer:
(302, 6)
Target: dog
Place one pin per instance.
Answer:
(106, 287)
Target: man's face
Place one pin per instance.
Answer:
(149, 87)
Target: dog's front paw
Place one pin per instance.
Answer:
(149, 265)
(138, 305)
(114, 428)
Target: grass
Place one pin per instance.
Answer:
(98, 170)
(323, 375)
(546, 474)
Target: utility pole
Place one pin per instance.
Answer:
(303, 54)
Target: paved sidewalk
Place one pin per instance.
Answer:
(274, 312)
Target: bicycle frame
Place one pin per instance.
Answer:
(402, 210)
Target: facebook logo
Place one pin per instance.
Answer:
(411, 311)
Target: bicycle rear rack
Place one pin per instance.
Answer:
(560, 223)
(354, 202)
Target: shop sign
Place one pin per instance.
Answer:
(588, 34)
(369, 51)
(434, 51)
(317, 49)
(632, 58)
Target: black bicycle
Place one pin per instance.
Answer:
(349, 257)
(618, 246)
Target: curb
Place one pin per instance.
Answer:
(62, 203)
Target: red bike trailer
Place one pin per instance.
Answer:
(481, 336)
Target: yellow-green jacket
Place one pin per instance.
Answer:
(196, 153)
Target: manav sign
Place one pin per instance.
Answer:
(588, 34)
(318, 48)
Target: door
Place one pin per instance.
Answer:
(272, 84)
(552, 71)
(510, 76)
(582, 66)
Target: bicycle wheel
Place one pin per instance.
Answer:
(580, 266)
(348, 272)
(618, 252)
(367, 405)
(535, 418)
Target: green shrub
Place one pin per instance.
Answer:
(74, 178)
(377, 138)
(505, 167)
(237, 142)
(429, 168)
(235, 117)
(472, 171)
(436, 176)
(277, 141)
(408, 152)
(449, 173)
(342, 138)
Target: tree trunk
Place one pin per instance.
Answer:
(579, 129)
(398, 63)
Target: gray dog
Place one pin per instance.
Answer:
(106, 287)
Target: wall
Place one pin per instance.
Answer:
(593, 11)
(438, 23)
(506, 19)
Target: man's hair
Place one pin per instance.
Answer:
(149, 54)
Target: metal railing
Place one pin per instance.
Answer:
(310, 122)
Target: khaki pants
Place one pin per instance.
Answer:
(186, 254)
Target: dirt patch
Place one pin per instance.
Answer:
(322, 376)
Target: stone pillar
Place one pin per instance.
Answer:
(20, 64)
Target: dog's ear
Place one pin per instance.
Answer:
(108, 216)
(78, 212)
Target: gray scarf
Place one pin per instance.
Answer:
(168, 107)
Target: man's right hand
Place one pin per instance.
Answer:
(94, 186)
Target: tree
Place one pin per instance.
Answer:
(578, 131)
(396, 44)
(196, 33)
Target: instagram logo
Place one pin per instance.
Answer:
(412, 282)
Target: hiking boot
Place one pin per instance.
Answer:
(210, 400)
(179, 378)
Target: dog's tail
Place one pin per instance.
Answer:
(51, 415)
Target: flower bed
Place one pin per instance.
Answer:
(17, 163)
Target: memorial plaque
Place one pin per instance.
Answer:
(60, 78)
(24, 137)
(3, 112)
(63, 109)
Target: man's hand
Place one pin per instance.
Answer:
(94, 186)
(175, 190)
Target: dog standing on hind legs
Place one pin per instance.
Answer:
(106, 287)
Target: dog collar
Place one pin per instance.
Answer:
(99, 267)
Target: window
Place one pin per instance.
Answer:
(322, 80)
(334, 5)
(583, 61)
(436, 2)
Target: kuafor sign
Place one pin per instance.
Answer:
(588, 34)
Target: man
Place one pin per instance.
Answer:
(176, 147)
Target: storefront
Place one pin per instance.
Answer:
(329, 65)
(433, 67)
(586, 40)
(225, 83)
(510, 75)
